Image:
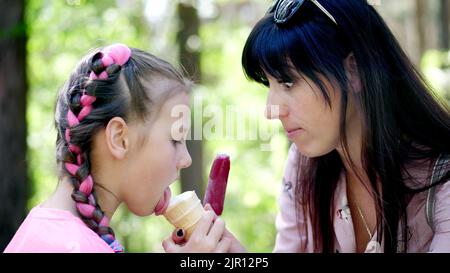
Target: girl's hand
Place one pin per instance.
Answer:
(207, 237)
(235, 245)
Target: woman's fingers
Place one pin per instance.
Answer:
(223, 246)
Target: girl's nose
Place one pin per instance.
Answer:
(185, 160)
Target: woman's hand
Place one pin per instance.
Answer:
(208, 236)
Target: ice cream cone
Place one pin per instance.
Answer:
(184, 211)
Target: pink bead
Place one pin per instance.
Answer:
(74, 149)
(107, 60)
(84, 112)
(86, 210)
(79, 159)
(87, 185)
(72, 119)
(104, 222)
(87, 100)
(93, 76)
(67, 135)
(71, 168)
(119, 52)
(103, 75)
(91, 199)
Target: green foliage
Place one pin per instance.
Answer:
(436, 67)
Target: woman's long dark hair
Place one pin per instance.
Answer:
(402, 119)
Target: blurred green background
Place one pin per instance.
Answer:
(60, 32)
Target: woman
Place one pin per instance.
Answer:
(366, 131)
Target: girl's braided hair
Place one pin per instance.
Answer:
(106, 84)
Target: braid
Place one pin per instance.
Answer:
(104, 85)
(76, 157)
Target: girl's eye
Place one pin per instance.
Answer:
(175, 142)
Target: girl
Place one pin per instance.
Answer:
(368, 135)
(117, 142)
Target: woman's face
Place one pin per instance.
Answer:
(307, 119)
(156, 162)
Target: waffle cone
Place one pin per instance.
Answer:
(184, 211)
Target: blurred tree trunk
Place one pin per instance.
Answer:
(444, 24)
(187, 39)
(13, 86)
(421, 8)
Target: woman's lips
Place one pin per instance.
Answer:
(163, 203)
(291, 133)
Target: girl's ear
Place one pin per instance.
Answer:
(351, 70)
(117, 137)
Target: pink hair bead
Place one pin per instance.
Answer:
(84, 112)
(86, 210)
(87, 100)
(71, 168)
(87, 185)
(72, 119)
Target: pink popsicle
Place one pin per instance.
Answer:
(217, 183)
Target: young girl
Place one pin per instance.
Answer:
(117, 142)
(368, 135)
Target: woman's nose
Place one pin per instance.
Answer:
(275, 108)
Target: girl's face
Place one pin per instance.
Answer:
(308, 120)
(155, 162)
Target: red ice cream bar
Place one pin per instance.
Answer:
(217, 183)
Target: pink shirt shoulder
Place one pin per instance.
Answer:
(53, 230)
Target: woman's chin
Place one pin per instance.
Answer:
(310, 151)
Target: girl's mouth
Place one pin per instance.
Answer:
(163, 203)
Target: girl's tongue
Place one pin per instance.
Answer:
(163, 202)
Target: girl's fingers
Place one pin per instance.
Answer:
(223, 246)
(216, 232)
(169, 246)
(203, 224)
(208, 207)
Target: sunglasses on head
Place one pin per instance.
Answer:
(283, 10)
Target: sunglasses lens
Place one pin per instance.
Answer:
(285, 9)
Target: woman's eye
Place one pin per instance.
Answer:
(287, 85)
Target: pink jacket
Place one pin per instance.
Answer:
(289, 238)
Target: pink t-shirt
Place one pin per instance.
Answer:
(55, 230)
